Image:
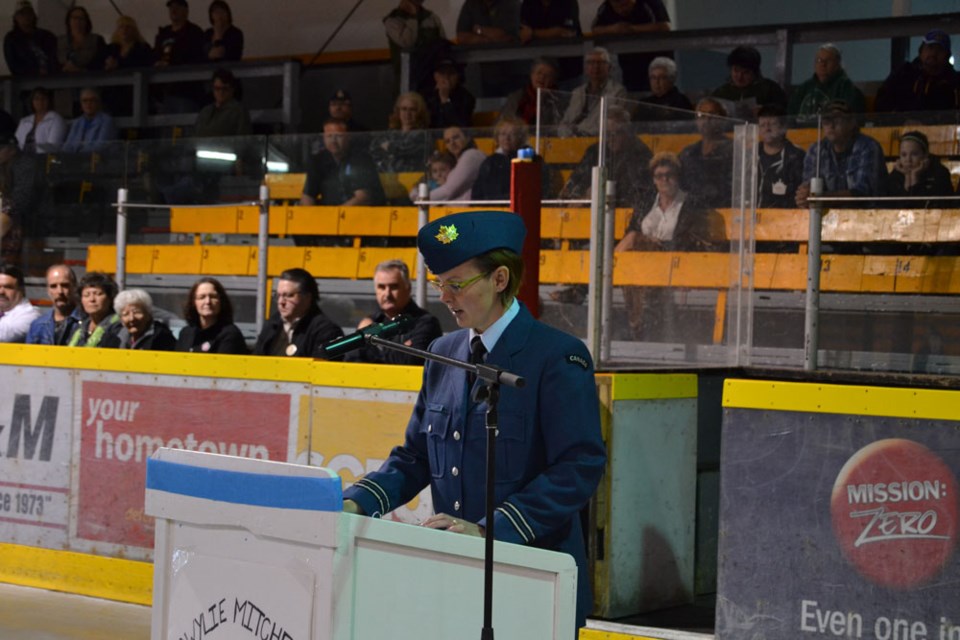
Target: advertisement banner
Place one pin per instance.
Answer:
(123, 418)
(36, 411)
(352, 433)
(838, 526)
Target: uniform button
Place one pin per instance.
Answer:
(429, 428)
(455, 472)
(456, 435)
(456, 505)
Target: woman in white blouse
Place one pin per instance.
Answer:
(669, 220)
(42, 131)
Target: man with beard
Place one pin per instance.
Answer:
(57, 325)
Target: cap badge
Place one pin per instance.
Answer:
(448, 234)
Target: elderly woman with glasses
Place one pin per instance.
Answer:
(138, 329)
(550, 455)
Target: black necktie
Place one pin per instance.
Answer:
(477, 352)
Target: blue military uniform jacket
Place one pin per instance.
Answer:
(550, 454)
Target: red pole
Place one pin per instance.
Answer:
(525, 202)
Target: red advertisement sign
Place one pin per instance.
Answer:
(122, 424)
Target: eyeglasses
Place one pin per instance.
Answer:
(288, 296)
(456, 288)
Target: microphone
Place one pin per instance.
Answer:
(388, 329)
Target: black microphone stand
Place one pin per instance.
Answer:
(490, 379)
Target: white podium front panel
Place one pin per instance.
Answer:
(258, 547)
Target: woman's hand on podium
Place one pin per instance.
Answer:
(456, 525)
(349, 506)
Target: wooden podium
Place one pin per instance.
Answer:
(259, 548)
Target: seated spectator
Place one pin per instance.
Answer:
(632, 17)
(222, 41)
(779, 161)
(57, 326)
(209, 315)
(492, 22)
(552, 20)
(849, 162)
(93, 128)
(449, 104)
(226, 116)
(459, 181)
(416, 31)
(829, 82)
(406, 146)
(627, 163)
(707, 165)
(391, 283)
(917, 172)
(127, 48)
(928, 83)
(23, 189)
(181, 41)
(79, 49)
(663, 93)
(439, 166)
(42, 131)
(28, 49)
(97, 292)
(297, 327)
(522, 103)
(340, 107)
(493, 179)
(16, 311)
(670, 220)
(137, 328)
(341, 174)
(488, 22)
(582, 116)
(747, 90)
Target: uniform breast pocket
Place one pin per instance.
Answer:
(512, 448)
(434, 427)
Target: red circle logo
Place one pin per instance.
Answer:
(894, 512)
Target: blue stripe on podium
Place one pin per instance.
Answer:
(238, 487)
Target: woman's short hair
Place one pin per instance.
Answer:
(98, 280)
(491, 260)
(190, 306)
(666, 159)
(219, 4)
(138, 297)
(423, 116)
(665, 63)
(305, 283)
(41, 91)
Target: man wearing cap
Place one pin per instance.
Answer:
(391, 283)
(28, 49)
(16, 312)
(298, 327)
(550, 452)
(829, 82)
(747, 90)
(850, 163)
(449, 104)
(929, 83)
(340, 107)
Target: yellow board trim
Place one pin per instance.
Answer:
(925, 404)
(305, 370)
(652, 386)
(595, 634)
(81, 573)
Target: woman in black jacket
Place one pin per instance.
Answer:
(209, 315)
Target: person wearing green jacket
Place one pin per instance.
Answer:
(829, 82)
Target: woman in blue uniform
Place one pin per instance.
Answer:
(550, 455)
